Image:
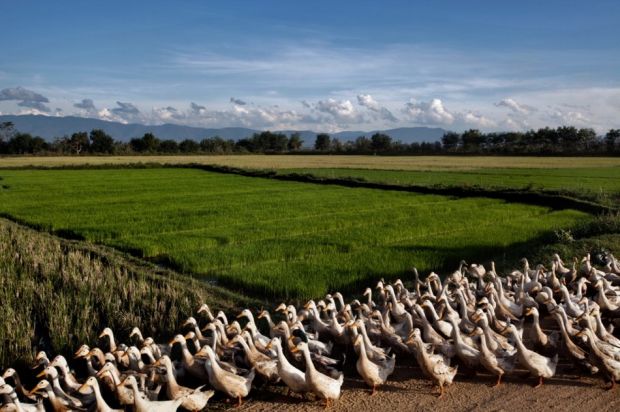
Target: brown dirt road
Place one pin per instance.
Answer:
(408, 390)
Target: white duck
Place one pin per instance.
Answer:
(142, 404)
(92, 385)
(538, 365)
(294, 379)
(193, 399)
(321, 385)
(373, 373)
(435, 366)
(234, 386)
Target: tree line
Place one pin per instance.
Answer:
(566, 140)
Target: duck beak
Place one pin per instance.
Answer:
(41, 374)
(295, 350)
(269, 345)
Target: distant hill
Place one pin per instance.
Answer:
(50, 127)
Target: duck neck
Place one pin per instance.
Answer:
(309, 365)
(101, 403)
(456, 335)
(536, 323)
(173, 386)
(187, 356)
(267, 316)
(600, 328)
(483, 344)
(282, 361)
(518, 342)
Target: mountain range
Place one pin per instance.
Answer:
(50, 127)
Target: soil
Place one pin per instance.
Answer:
(409, 390)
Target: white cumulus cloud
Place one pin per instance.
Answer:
(433, 112)
(515, 106)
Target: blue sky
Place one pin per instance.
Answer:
(317, 65)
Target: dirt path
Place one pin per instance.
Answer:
(408, 390)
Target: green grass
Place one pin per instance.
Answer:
(600, 183)
(276, 238)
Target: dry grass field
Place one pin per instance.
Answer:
(326, 161)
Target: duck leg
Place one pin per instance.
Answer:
(374, 390)
(239, 401)
(440, 391)
(499, 381)
(540, 382)
(613, 385)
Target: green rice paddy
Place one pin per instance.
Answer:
(281, 239)
(585, 181)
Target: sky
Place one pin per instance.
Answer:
(319, 65)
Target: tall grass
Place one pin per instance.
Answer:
(275, 238)
(56, 295)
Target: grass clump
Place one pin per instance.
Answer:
(58, 294)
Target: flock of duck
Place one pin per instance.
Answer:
(474, 319)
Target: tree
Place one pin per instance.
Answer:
(295, 142)
(20, 143)
(168, 146)
(7, 131)
(362, 144)
(472, 140)
(322, 142)
(101, 142)
(380, 142)
(79, 142)
(217, 145)
(189, 146)
(450, 141)
(148, 143)
(336, 145)
(38, 145)
(611, 139)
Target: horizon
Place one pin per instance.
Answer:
(350, 66)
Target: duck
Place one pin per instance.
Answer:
(193, 399)
(263, 364)
(204, 308)
(7, 391)
(233, 385)
(435, 366)
(468, 354)
(323, 386)
(543, 342)
(497, 365)
(496, 342)
(538, 365)
(373, 373)
(69, 382)
(142, 404)
(375, 353)
(19, 388)
(264, 314)
(92, 386)
(190, 364)
(44, 388)
(609, 366)
(293, 378)
(51, 373)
